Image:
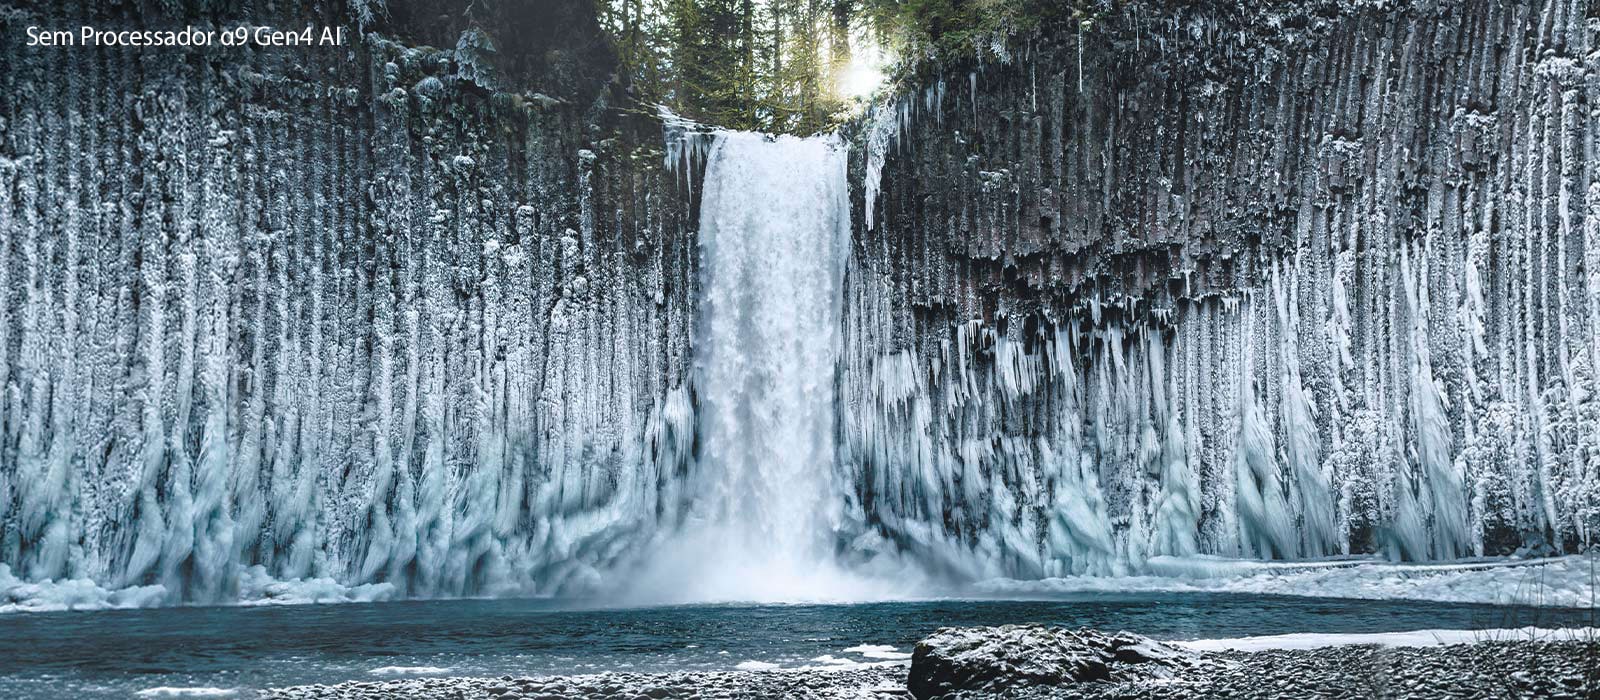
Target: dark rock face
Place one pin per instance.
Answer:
(381, 312)
(1016, 656)
(1262, 279)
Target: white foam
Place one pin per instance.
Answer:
(832, 660)
(838, 664)
(877, 651)
(756, 666)
(193, 692)
(1416, 638)
(408, 671)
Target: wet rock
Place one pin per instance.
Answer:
(1011, 656)
(1486, 669)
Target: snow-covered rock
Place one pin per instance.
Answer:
(1013, 656)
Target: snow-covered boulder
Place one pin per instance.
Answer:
(995, 658)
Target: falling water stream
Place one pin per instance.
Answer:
(774, 225)
(774, 234)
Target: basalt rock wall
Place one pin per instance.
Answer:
(1264, 279)
(378, 313)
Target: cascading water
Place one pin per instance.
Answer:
(774, 224)
(774, 233)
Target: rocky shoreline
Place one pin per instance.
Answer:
(1486, 669)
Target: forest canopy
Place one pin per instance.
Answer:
(793, 66)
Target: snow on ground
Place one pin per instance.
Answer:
(1570, 581)
(1418, 638)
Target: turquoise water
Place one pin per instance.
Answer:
(117, 653)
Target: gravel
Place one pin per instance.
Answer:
(1491, 669)
(887, 681)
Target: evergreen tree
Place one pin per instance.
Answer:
(771, 65)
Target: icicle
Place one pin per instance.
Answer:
(972, 80)
(882, 130)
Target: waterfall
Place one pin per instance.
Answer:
(774, 224)
(774, 234)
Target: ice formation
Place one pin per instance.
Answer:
(1102, 446)
(285, 329)
(1284, 320)
(263, 339)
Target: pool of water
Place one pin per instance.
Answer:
(117, 653)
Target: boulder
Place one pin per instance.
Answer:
(989, 659)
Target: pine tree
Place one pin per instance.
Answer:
(771, 65)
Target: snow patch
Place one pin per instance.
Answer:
(1559, 582)
(1416, 638)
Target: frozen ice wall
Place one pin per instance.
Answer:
(342, 315)
(1262, 280)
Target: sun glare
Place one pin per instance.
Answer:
(865, 71)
